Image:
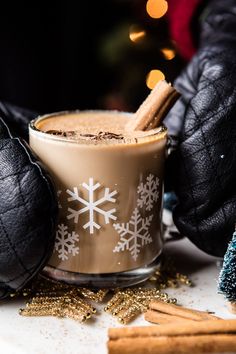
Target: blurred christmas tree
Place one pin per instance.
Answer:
(84, 54)
(136, 53)
(227, 278)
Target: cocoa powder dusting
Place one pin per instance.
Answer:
(61, 133)
(97, 137)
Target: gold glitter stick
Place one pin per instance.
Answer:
(115, 301)
(94, 296)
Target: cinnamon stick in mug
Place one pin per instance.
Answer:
(155, 107)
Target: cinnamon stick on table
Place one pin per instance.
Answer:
(163, 318)
(208, 336)
(184, 312)
(190, 328)
(174, 345)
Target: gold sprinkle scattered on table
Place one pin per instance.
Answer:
(126, 304)
(52, 298)
(168, 277)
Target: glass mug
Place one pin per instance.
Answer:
(110, 191)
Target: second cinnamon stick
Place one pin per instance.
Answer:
(184, 312)
(163, 318)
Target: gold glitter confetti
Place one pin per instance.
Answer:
(168, 277)
(52, 298)
(126, 304)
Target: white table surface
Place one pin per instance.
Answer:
(47, 335)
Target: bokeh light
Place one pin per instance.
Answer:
(136, 34)
(153, 77)
(156, 8)
(168, 53)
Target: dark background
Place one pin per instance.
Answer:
(77, 54)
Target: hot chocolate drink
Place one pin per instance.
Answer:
(109, 183)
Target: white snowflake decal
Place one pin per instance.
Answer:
(65, 242)
(148, 192)
(133, 234)
(92, 206)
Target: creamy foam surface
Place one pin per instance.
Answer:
(89, 126)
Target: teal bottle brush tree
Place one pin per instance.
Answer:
(227, 278)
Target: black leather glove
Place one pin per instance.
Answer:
(203, 122)
(28, 205)
(17, 119)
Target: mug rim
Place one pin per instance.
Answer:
(154, 133)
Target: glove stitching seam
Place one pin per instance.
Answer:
(13, 247)
(205, 120)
